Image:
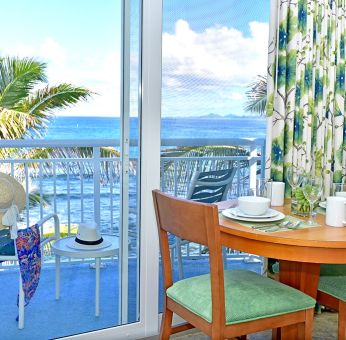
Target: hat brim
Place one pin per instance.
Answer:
(75, 245)
(19, 195)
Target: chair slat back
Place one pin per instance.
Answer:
(183, 218)
(211, 186)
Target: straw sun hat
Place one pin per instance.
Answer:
(11, 193)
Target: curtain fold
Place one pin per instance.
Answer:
(306, 89)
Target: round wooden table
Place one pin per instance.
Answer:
(300, 252)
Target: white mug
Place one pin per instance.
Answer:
(340, 193)
(336, 211)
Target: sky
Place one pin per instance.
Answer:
(211, 50)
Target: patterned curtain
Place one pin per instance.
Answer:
(306, 89)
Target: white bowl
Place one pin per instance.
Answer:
(253, 205)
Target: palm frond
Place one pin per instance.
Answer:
(179, 174)
(13, 123)
(44, 101)
(72, 167)
(35, 199)
(257, 96)
(18, 76)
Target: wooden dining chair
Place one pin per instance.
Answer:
(206, 187)
(332, 293)
(222, 304)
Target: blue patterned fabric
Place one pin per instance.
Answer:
(29, 257)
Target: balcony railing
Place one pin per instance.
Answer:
(78, 188)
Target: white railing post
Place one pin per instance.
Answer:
(96, 178)
(162, 177)
(263, 159)
(253, 167)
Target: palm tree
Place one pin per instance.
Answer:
(27, 105)
(27, 102)
(257, 96)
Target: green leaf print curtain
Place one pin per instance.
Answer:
(306, 89)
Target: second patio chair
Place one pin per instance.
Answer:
(23, 245)
(332, 293)
(222, 304)
(9, 252)
(206, 187)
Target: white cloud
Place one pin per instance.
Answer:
(218, 56)
(236, 96)
(52, 51)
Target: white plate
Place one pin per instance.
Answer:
(237, 212)
(323, 204)
(228, 213)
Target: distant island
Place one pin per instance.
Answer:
(215, 116)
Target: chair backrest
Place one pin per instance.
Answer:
(211, 186)
(196, 222)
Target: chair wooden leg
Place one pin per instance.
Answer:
(342, 321)
(276, 333)
(289, 332)
(215, 335)
(166, 324)
(309, 322)
(305, 329)
(242, 337)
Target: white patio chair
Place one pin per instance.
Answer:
(10, 254)
(205, 187)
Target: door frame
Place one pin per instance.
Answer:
(150, 103)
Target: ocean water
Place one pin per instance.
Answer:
(109, 128)
(69, 200)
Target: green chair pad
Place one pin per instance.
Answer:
(333, 269)
(334, 286)
(248, 296)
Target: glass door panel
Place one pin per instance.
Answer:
(78, 157)
(212, 53)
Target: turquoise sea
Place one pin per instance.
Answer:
(200, 127)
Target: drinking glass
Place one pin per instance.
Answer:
(295, 178)
(339, 189)
(261, 188)
(312, 189)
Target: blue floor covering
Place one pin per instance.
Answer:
(46, 318)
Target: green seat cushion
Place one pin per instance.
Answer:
(333, 269)
(248, 296)
(6, 244)
(334, 286)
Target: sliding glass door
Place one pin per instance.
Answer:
(137, 308)
(85, 146)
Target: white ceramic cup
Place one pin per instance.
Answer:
(253, 205)
(340, 193)
(276, 193)
(336, 211)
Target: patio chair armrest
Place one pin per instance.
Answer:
(56, 226)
